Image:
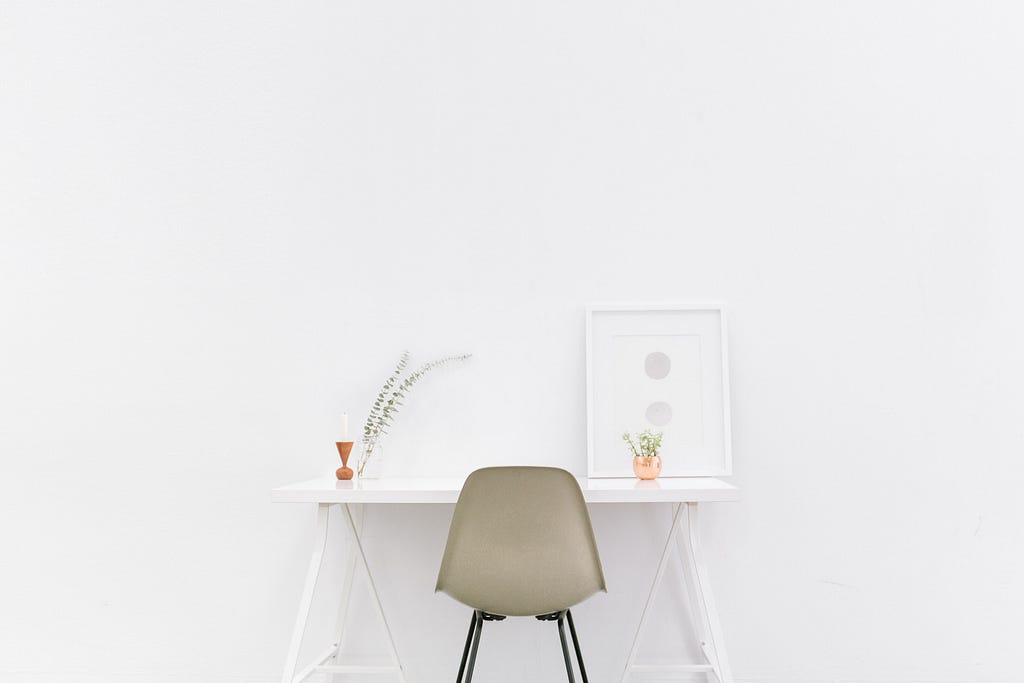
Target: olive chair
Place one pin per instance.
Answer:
(520, 545)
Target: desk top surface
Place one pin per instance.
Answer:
(425, 490)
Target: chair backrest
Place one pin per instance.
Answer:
(521, 543)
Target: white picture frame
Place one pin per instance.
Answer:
(663, 367)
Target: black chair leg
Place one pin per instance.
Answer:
(565, 647)
(476, 644)
(576, 644)
(465, 650)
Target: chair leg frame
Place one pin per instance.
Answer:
(465, 650)
(565, 648)
(576, 645)
(468, 662)
(478, 615)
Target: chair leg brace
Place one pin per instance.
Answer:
(468, 662)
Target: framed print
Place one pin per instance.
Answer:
(662, 367)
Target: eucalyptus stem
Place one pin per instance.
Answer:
(389, 400)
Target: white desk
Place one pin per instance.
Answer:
(683, 494)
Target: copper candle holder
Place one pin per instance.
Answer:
(344, 472)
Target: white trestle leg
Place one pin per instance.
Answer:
(361, 559)
(346, 588)
(705, 608)
(356, 557)
(312, 574)
(702, 605)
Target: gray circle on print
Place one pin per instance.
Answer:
(659, 413)
(657, 365)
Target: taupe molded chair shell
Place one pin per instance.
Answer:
(520, 544)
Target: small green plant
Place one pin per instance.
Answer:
(644, 444)
(382, 414)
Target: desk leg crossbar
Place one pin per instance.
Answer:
(703, 612)
(358, 557)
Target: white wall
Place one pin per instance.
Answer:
(221, 222)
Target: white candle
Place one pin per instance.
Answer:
(344, 426)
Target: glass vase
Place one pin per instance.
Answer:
(371, 459)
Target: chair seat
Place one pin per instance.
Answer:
(521, 543)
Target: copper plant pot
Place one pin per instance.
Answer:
(647, 467)
(344, 472)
